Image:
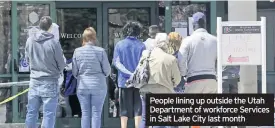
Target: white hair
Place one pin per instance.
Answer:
(162, 41)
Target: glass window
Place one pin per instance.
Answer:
(181, 17)
(72, 23)
(161, 16)
(182, 12)
(117, 18)
(5, 38)
(28, 17)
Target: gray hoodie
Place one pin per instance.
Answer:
(45, 56)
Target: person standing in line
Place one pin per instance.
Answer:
(164, 73)
(126, 58)
(174, 43)
(63, 101)
(230, 79)
(45, 57)
(91, 67)
(150, 42)
(197, 58)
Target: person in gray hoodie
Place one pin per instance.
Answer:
(45, 57)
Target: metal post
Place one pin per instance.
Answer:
(14, 25)
(219, 56)
(219, 60)
(263, 33)
(168, 16)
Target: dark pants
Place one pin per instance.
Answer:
(130, 102)
(75, 105)
(230, 85)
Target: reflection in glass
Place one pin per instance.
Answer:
(28, 17)
(72, 23)
(162, 23)
(161, 16)
(5, 38)
(117, 18)
(181, 13)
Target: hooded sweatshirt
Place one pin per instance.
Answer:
(45, 56)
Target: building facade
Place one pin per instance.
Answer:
(17, 17)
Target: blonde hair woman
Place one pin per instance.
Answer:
(91, 67)
(175, 40)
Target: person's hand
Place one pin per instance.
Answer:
(132, 75)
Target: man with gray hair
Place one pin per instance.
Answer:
(150, 42)
(45, 58)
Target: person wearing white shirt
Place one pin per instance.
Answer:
(197, 58)
(150, 42)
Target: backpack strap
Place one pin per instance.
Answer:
(149, 54)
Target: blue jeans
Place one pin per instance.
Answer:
(91, 107)
(142, 123)
(46, 93)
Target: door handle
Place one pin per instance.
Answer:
(15, 65)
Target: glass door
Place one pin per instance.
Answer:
(115, 16)
(5, 59)
(73, 18)
(25, 15)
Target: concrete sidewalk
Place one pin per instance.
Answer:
(14, 125)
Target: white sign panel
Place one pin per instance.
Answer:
(24, 66)
(241, 45)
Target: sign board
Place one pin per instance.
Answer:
(24, 66)
(241, 43)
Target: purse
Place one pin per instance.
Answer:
(67, 88)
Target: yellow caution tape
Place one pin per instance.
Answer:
(13, 97)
